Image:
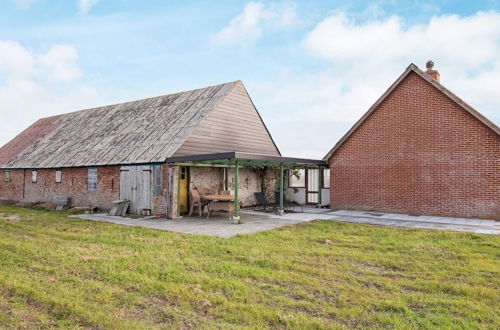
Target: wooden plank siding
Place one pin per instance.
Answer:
(234, 125)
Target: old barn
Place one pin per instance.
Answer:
(152, 152)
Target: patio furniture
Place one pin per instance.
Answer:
(201, 191)
(262, 201)
(196, 201)
(221, 203)
(225, 192)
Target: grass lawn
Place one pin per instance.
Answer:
(61, 272)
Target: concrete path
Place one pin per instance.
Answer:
(255, 221)
(215, 226)
(477, 226)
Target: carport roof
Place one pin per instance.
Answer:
(226, 159)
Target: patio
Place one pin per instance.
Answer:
(255, 221)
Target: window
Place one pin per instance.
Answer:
(34, 176)
(297, 178)
(8, 176)
(326, 178)
(92, 179)
(58, 176)
(157, 180)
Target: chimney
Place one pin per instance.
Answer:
(434, 74)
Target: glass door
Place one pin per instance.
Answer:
(312, 186)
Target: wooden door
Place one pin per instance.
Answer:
(136, 186)
(144, 187)
(312, 186)
(183, 189)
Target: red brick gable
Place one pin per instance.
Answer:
(29, 136)
(418, 152)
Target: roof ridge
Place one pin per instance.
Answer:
(143, 99)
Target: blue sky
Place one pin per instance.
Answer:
(311, 67)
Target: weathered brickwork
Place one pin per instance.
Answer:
(73, 184)
(419, 153)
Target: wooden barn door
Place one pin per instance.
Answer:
(136, 186)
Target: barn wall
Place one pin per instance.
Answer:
(419, 153)
(212, 181)
(13, 190)
(74, 185)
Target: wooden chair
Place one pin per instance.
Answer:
(201, 191)
(196, 202)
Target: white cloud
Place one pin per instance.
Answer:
(60, 62)
(85, 6)
(364, 58)
(247, 27)
(24, 3)
(341, 38)
(35, 85)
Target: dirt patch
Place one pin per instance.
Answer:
(150, 308)
(14, 217)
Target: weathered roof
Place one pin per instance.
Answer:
(413, 68)
(143, 131)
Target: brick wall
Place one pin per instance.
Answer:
(419, 153)
(74, 185)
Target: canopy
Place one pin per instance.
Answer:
(243, 159)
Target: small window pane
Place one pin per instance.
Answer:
(8, 176)
(58, 176)
(295, 182)
(312, 179)
(312, 198)
(92, 179)
(326, 178)
(34, 176)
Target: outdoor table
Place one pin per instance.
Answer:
(225, 200)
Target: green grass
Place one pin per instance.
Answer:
(61, 272)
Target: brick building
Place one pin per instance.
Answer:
(419, 149)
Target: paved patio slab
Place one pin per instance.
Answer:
(215, 226)
(255, 221)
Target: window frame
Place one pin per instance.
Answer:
(58, 178)
(157, 180)
(290, 179)
(7, 176)
(323, 186)
(34, 176)
(91, 185)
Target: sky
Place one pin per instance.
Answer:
(312, 68)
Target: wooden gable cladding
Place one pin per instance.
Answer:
(234, 125)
